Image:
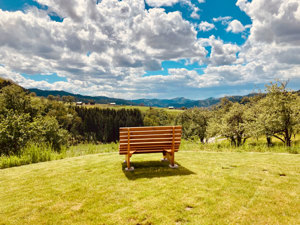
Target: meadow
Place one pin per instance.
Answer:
(207, 188)
(143, 109)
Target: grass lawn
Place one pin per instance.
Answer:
(207, 188)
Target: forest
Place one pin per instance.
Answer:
(37, 127)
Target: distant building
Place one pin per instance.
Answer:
(79, 103)
(112, 103)
(171, 107)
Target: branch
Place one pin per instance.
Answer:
(278, 138)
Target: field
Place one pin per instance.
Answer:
(141, 108)
(207, 188)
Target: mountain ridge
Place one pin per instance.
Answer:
(177, 102)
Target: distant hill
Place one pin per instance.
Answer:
(188, 103)
(81, 98)
(175, 102)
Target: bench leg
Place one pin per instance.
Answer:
(128, 168)
(172, 161)
(165, 157)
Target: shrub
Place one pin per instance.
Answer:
(14, 132)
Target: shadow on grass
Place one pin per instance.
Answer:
(151, 169)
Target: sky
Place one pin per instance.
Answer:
(135, 49)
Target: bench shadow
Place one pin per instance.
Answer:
(152, 169)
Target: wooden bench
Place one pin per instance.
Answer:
(137, 140)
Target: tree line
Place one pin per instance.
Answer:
(274, 114)
(26, 119)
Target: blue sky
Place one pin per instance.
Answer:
(150, 49)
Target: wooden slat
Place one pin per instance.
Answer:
(149, 128)
(122, 133)
(149, 140)
(149, 146)
(145, 151)
(150, 136)
(149, 143)
(152, 147)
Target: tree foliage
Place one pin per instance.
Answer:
(194, 123)
(158, 117)
(229, 120)
(102, 125)
(277, 115)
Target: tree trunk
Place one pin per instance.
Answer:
(287, 138)
(239, 141)
(269, 141)
(233, 142)
(202, 140)
(288, 142)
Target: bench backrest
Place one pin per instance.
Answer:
(149, 139)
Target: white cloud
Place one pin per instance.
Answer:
(195, 14)
(123, 40)
(121, 37)
(159, 3)
(206, 26)
(235, 26)
(221, 54)
(273, 21)
(224, 20)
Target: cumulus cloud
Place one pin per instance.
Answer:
(159, 3)
(235, 26)
(273, 45)
(224, 20)
(105, 48)
(206, 26)
(221, 54)
(273, 21)
(120, 37)
(193, 7)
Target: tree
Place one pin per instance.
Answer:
(14, 132)
(278, 114)
(194, 123)
(229, 121)
(158, 117)
(51, 97)
(68, 99)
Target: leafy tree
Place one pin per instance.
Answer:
(47, 130)
(194, 123)
(158, 117)
(68, 99)
(278, 114)
(229, 120)
(51, 97)
(14, 132)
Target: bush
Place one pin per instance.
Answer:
(14, 132)
(46, 130)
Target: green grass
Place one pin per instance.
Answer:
(207, 188)
(33, 153)
(141, 108)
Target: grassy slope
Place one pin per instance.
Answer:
(208, 188)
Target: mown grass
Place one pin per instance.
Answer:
(207, 188)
